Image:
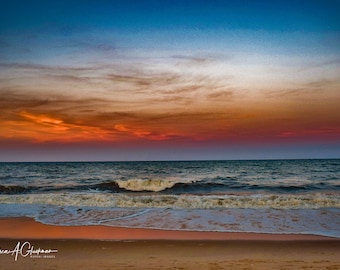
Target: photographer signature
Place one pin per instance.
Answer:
(25, 249)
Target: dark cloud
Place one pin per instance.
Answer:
(313, 89)
(221, 95)
(323, 83)
(327, 63)
(171, 100)
(137, 80)
(14, 100)
(71, 78)
(60, 74)
(92, 46)
(202, 58)
(40, 67)
(193, 59)
(18, 100)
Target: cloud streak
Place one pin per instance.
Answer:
(178, 99)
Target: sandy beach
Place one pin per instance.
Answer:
(100, 247)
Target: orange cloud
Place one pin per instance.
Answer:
(145, 134)
(43, 127)
(121, 128)
(45, 120)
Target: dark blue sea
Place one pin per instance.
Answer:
(267, 196)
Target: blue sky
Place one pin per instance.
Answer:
(152, 15)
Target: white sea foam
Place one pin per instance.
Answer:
(300, 221)
(279, 201)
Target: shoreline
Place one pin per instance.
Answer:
(102, 247)
(25, 227)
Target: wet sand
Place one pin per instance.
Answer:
(100, 247)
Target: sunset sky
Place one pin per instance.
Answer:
(169, 80)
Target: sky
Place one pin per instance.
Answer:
(169, 80)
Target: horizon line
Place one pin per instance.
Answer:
(173, 160)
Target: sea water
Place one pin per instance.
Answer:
(265, 196)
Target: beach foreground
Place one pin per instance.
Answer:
(100, 247)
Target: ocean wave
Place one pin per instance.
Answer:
(12, 189)
(274, 201)
(174, 186)
(163, 186)
(147, 185)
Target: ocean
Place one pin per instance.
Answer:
(263, 196)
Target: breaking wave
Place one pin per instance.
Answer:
(11, 189)
(135, 185)
(172, 186)
(146, 185)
